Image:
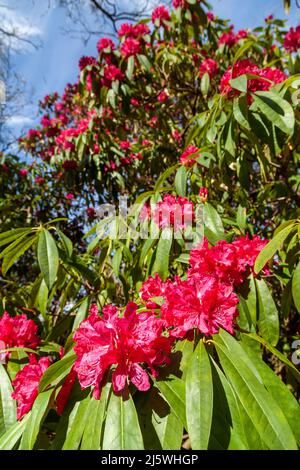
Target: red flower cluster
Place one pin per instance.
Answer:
(18, 332)
(229, 262)
(160, 15)
(292, 40)
(105, 45)
(127, 342)
(27, 382)
(230, 38)
(186, 157)
(173, 212)
(133, 31)
(130, 47)
(112, 73)
(242, 67)
(210, 66)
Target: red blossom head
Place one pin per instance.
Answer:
(173, 212)
(26, 384)
(105, 45)
(292, 40)
(189, 156)
(159, 15)
(209, 66)
(18, 331)
(130, 47)
(127, 343)
(23, 172)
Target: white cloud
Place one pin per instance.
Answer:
(14, 22)
(18, 121)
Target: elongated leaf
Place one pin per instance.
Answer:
(77, 422)
(279, 391)
(11, 437)
(8, 404)
(48, 257)
(296, 287)
(262, 410)
(162, 178)
(16, 253)
(212, 220)
(270, 249)
(67, 244)
(268, 319)
(122, 429)
(96, 413)
(173, 391)
(199, 398)
(276, 109)
(35, 420)
(180, 181)
(81, 313)
(57, 371)
(161, 263)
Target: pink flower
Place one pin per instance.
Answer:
(162, 96)
(65, 392)
(39, 180)
(160, 15)
(185, 157)
(130, 47)
(229, 262)
(127, 342)
(205, 303)
(105, 45)
(112, 73)
(23, 172)
(134, 101)
(241, 34)
(173, 212)
(210, 16)
(70, 196)
(292, 40)
(91, 212)
(125, 144)
(269, 18)
(176, 134)
(210, 66)
(203, 193)
(229, 39)
(125, 29)
(85, 61)
(178, 3)
(254, 84)
(26, 384)
(153, 287)
(17, 331)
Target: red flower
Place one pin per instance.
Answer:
(105, 45)
(160, 15)
(210, 66)
(185, 157)
(65, 392)
(229, 39)
(85, 61)
(204, 303)
(210, 16)
(23, 172)
(126, 342)
(173, 212)
(130, 47)
(17, 331)
(112, 73)
(153, 287)
(70, 196)
(162, 96)
(242, 67)
(26, 384)
(203, 193)
(90, 212)
(292, 40)
(69, 165)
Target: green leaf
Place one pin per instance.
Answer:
(256, 401)
(162, 178)
(122, 429)
(180, 181)
(130, 67)
(96, 413)
(48, 257)
(296, 287)
(239, 83)
(11, 437)
(276, 109)
(15, 254)
(270, 249)
(57, 371)
(143, 60)
(81, 313)
(67, 244)
(77, 421)
(35, 420)
(268, 319)
(173, 391)
(161, 263)
(212, 220)
(199, 398)
(11, 235)
(7, 403)
(204, 84)
(241, 217)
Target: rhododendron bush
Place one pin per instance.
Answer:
(150, 273)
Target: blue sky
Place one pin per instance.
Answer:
(54, 64)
